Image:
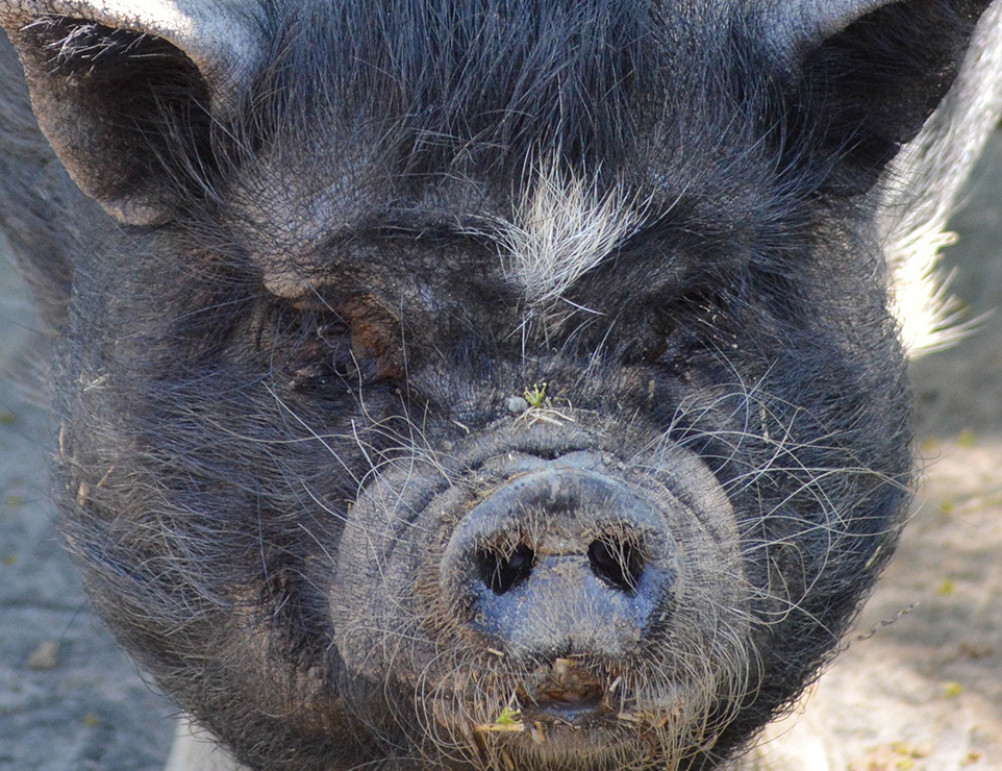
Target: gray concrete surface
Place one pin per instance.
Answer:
(923, 692)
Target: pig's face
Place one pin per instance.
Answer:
(481, 422)
(391, 531)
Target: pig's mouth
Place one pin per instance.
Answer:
(577, 713)
(564, 694)
(557, 696)
(565, 691)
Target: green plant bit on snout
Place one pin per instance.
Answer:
(509, 721)
(537, 396)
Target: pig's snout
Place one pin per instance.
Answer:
(559, 562)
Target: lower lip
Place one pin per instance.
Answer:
(555, 711)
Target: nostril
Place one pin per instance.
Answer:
(617, 562)
(502, 571)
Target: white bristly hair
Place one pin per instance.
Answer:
(922, 187)
(562, 229)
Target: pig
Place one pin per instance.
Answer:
(486, 385)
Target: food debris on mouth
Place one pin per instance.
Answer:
(562, 685)
(565, 681)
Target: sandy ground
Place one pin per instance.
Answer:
(919, 687)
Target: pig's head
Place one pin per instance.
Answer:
(482, 385)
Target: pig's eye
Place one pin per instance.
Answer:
(375, 338)
(336, 355)
(694, 315)
(705, 314)
(364, 343)
(354, 342)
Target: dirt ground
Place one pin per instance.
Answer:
(919, 687)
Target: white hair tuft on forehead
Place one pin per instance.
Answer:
(562, 229)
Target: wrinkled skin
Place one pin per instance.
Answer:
(421, 408)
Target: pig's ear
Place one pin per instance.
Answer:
(127, 90)
(869, 73)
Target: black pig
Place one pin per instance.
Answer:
(500, 384)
